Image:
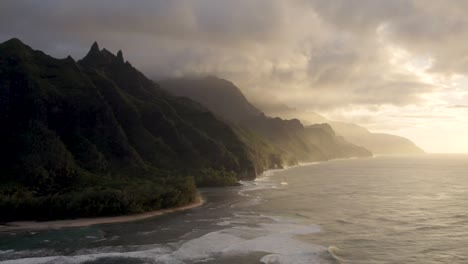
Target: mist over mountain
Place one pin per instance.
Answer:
(302, 143)
(96, 137)
(227, 100)
(218, 95)
(273, 108)
(377, 143)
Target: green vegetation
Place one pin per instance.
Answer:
(111, 197)
(272, 142)
(211, 178)
(264, 153)
(96, 137)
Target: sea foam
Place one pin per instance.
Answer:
(276, 238)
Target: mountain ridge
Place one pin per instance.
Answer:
(199, 89)
(291, 136)
(95, 137)
(356, 134)
(378, 143)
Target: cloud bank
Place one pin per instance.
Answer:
(353, 60)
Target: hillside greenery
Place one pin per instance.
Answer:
(95, 137)
(275, 142)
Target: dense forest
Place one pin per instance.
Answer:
(96, 137)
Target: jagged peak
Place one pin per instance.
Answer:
(93, 51)
(94, 47)
(70, 58)
(96, 54)
(120, 56)
(103, 57)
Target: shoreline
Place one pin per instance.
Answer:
(83, 222)
(303, 164)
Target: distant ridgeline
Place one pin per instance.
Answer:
(295, 141)
(96, 137)
(290, 138)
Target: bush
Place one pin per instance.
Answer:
(209, 177)
(124, 197)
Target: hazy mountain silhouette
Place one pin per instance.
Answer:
(273, 108)
(378, 143)
(225, 99)
(334, 146)
(218, 95)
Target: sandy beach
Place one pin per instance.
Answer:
(80, 222)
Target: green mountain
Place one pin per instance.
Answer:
(96, 137)
(220, 96)
(226, 101)
(295, 142)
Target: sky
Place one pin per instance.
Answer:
(398, 66)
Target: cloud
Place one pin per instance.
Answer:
(386, 64)
(459, 106)
(310, 54)
(422, 116)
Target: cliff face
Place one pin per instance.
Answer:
(296, 142)
(378, 143)
(332, 145)
(96, 137)
(287, 135)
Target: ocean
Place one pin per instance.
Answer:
(378, 210)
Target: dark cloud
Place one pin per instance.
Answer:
(362, 15)
(312, 54)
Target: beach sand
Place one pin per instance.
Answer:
(80, 222)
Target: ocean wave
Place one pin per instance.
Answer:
(307, 257)
(336, 255)
(277, 238)
(248, 187)
(20, 254)
(148, 255)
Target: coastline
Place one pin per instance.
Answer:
(269, 172)
(82, 222)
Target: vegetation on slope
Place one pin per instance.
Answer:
(96, 137)
(288, 140)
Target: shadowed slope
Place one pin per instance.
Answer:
(96, 137)
(296, 142)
